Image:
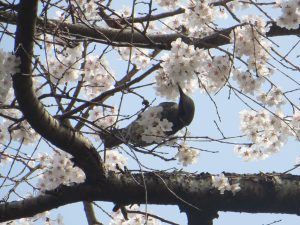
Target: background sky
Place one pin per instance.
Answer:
(223, 161)
(203, 125)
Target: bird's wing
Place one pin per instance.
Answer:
(170, 112)
(168, 104)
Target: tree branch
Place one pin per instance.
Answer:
(66, 138)
(90, 214)
(260, 193)
(199, 217)
(122, 37)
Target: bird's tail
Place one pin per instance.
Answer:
(112, 138)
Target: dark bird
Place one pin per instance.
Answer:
(137, 133)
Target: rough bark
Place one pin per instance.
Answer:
(90, 213)
(62, 136)
(260, 193)
(121, 37)
(199, 216)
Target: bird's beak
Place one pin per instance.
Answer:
(180, 90)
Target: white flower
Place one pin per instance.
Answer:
(138, 56)
(181, 67)
(187, 155)
(88, 8)
(151, 114)
(133, 218)
(58, 169)
(249, 41)
(168, 3)
(64, 65)
(153, 133)
(103, 117)
(274, 97)
(221, 182)
(151, 126)
(98, 76)
(24, 132)
(8, 66)
(114, 160)
(290, 17)
(165, 125)
(125, 11)
(234, 188)
(214, 74)
(246, 81)
(267, 132)
(295, 123)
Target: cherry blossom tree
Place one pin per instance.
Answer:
(73, 72)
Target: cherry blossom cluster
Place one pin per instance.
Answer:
(114, 161)
(64, 65)
(24, 133)
(191, 68)
(295, 124)
(221, 182)
(236, 5)
(137, 56)
(58, 169)
(274, 97)
(268, 133)
(67, 64)
(187, 155)
(198, 19)
(5, 123)
(290, 17)
(249, 41)
(124, 12)
(133, 218)
(103, 117)
(8, 66)
(41, 218)
(200, 13)
(98, 76)
(246, 81)
(178, 67)
(23, 221)
(21, 132)
(87, 10)
(250, 153)
(168, 3)
(215, 73)
(152, 127)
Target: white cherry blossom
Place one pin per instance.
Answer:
(187, 155)
(221, 182)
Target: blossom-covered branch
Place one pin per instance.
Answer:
(273, 193)
(51, 129)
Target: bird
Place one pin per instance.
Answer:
(171, 115)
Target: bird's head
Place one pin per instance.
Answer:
(186, 108)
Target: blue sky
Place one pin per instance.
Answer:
(203, 125)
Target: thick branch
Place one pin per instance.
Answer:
(90, 213)
(260, 193)
(125, 36)
(58, 134)
(199, 217)
(155, 41)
